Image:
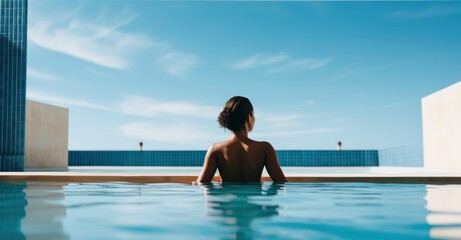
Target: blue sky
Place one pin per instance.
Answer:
(317, 72)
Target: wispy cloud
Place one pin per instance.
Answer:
(95, 41)
(303, 64)
(65, 102)
(278, 120)
(103, 41)
(311, 63)
(297, 132)
(176, 63)
(135, 105)
(37, 74)
(149, 107)
(199, 135)
(259, 60)
(434, 11)
(277, 124)
(280, 62)
(171, 132)
(182, 122)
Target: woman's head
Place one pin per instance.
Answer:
(236, 113)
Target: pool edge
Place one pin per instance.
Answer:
(152, 178)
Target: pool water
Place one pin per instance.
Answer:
(45, 210)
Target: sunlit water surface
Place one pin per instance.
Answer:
(42, 210)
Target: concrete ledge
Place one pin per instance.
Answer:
(156, 178)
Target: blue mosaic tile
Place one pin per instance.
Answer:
(195, 158)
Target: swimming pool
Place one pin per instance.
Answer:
(45, 210)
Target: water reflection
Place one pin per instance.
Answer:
(444, 204)
(238, 205)
(32, 210)
(45, 211)
(12, 209)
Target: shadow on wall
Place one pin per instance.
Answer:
(12, 105)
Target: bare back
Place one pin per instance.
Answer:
(241, 161)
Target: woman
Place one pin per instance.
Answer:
(240, 159)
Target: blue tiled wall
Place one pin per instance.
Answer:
(12, 163)
(409, 155)
(328, 158)
(13, 58)
(136, 158)
(195, 158)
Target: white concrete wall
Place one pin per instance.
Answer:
(442, 128)
(46, 140)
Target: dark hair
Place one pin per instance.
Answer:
(235, 113)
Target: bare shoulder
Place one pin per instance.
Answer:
(263, 145)
(217, 147)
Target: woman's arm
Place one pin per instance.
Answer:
(272, 165)
(209, 166)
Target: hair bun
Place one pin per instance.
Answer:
(224, 118)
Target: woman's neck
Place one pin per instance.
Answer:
(240, 135)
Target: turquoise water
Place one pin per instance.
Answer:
(42, 210)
